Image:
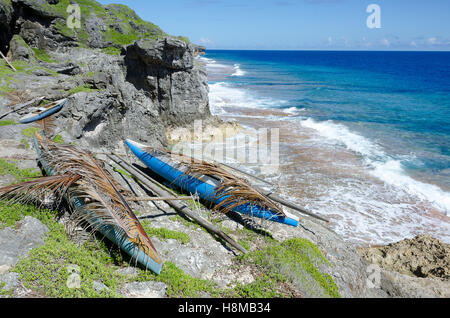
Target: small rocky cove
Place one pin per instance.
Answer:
(126, 78)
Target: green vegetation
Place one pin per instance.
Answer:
(30, 131)
(112, 50)
(6, 2)
(84, 88)
(291, 263)
(297, 261)
(46, 268)
(6, 78)
(58, 139)
(244, 244)
(185, 222)
(122, 172)
(12, 213)
(43, 56)
(183, 38)
(89, 74)
(21, 175)
(165, 234)
(25, 143)
(5, 292)
(7, 123)
(118, 38)
(115, 17)
(180, 284)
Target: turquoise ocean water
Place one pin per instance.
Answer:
(388, 111)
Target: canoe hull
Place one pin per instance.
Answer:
(109, 231)
(205, 190)
(44, 114)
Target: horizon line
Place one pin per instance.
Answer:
(329, 50)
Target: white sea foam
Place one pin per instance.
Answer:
(364, 210)
(237, 70)
(222, 95)
(382, 166)
(212, 64)
(293, 110)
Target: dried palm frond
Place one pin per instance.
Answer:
(47, 125)
(91, 191)
(236, 191)
(18, 97)
(38, 190)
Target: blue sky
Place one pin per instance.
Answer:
(301, 24)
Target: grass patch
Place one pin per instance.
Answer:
(84, 88)
(245, 244)
(43, 56)
(5, 292)
(89, 74)
(25, 143)
(30, 131)
(165, 234)
(58, 139)
(120, 39)
(21, 175)
(122, 172)
(12, 213)
(7, 123)
(265, 286)
(46, 269)
(296, 261)
(179, 284)
(112, 50)
(187, 223)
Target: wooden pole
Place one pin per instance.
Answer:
(159, 199)
(274, 196)
(22, 106)
(6, 60)
(181, 208)
(291, 205)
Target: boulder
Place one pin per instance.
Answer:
(19, 50)
(148, 289)
(422, 256)
(16, 243)
(166, 71)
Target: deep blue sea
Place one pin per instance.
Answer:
(390, 109)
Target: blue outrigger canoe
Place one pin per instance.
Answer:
(204, 188)
(43, 112)
(109, 231)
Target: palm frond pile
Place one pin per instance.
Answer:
(92, 193)
(236, 191)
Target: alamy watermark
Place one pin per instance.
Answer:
(256, 147)
(74, 279)
(373, 276)
(74, 18)
(374, 19)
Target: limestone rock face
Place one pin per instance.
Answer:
(173, 80)
(15, 243)
(423, 256)
(152, 85)
(417, 267)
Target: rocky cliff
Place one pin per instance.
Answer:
(126, 78)
(118, 86)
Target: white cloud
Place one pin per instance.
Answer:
(385, 42)
(205, 41)
(432, 40)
